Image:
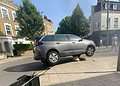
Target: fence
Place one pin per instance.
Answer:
(27, 81)
(32, 80)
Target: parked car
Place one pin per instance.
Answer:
(51, 48)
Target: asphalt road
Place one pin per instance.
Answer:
(10, 71)
(106, 51)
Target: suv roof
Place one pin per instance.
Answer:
(59, 34)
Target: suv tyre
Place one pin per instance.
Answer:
(53, 58)
(90, 51)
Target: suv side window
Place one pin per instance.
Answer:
(73, 37)
(61, 38)
(48, 38)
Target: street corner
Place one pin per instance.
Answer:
(74, 73)
(108, 79)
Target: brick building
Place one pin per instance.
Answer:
(48, 26)
(8, 24)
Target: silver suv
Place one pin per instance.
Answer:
(51, 48)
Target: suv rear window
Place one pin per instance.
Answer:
(55, 38)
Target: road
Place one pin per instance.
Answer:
(10, 71)
(106, 51)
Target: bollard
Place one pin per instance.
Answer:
(118, 62)
(26, 80)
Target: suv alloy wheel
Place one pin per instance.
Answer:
(90, 51)
(53, 58)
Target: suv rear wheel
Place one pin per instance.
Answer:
(53, 58)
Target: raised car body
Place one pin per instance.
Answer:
(63, 45)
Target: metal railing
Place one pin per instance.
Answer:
(32, 80)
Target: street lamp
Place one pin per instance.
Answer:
(107, 22)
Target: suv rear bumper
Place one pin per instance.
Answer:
(38, 54)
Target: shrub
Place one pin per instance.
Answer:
(21, 48)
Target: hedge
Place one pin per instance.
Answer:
(21, 48)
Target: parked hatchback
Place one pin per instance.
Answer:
(51, 48)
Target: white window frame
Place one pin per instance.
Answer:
(10, 28)
(114, 6)
(116, 22)
(6, 10)
(16, 26)
(106, 7)
(13, 17)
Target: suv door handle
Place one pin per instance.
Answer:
(58, 43)
(73, 42)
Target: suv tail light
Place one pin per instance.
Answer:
(40, 43)
(36, 43)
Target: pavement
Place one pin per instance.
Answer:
(27, 54)
(14, 67)
(99, 52)
(99, 70)
(92, 72)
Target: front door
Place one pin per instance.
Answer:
(64, 45)
(77, 44)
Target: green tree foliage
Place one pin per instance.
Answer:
(76, 24)
(79, 22)
(30, 20)
(64, 26)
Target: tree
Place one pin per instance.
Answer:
(76, 24)
(64, 26)
(30, 20)
(79, 23)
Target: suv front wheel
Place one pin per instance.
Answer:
(90, 51)
(53, 58)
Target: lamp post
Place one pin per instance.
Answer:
(107, 28)
(118, 61)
